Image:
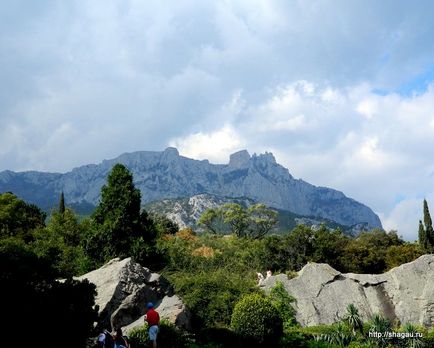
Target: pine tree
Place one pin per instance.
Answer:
(429, 232)
(117, 218)
(422, 236)
(62, 204)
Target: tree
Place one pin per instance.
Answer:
(162, 223)
(119, 228)
(117, 217)
(262, 220)
(236, 216)
(367, 253)
(299, 245)
(18, 218)
(208, 219)
(423, 242)
(429, 231)
(31, 290)
(62, 203)
(62, 243)
(328, 246)
(397, 255)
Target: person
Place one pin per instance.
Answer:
(260, 278)
(120, 340)
(269, 274)
(105, 340)
(153, 319)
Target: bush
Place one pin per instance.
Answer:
(211, 296)
(138, 337)
(169, 336)
(281, 300)
(256, 320)
(32, 294)
(217, 337)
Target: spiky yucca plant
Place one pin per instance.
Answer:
(353, 319)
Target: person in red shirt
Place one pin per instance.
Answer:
(153, 319)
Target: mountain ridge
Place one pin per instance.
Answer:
(166, 174)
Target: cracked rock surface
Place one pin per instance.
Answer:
(404, 294)
(123, 290)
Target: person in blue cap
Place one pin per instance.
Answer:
(153, 319)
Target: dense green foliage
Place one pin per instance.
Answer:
(18, 219)
(169, 336)
(120, 229)
(255, 319)
(211, 273)
(371, 252)
(34, 300)
(138, 337)
(62, 242)
(283, 302)
(253, 222)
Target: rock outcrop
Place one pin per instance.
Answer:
(166, 174)
(405, 293)
(123, 289)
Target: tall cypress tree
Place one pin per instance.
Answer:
(429, 231)
(422, 236)
(62, 204)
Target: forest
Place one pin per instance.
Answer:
(214, 273)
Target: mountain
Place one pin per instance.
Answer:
(186, 212)
(166, 174)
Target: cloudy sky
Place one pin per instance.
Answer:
(342, 92)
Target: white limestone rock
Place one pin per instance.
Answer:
(123, 289)
(404, 294)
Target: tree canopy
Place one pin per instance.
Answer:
(18, 218)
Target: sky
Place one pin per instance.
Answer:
(341, 92)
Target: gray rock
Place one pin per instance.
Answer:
(123, 289)
(404, 294)
(170, 308)
(166, 174)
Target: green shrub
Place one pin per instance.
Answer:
(138, 337)
(281, 300)
(218, 337)
(169, 336)
(256, 320)
(211, 296)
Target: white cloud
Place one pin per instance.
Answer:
(372, 159)
(83, 81)
(215, 146)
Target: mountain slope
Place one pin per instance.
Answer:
(186, 212)
(166, 174)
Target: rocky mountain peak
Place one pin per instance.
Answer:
(170, 154)
(266, 157)
(166, 174)
(239, 159)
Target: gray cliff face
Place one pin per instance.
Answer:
(161, 175)
(405, 293)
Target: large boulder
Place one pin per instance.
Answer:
(123, 289)
(170, 308)
(404, 294)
